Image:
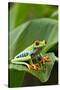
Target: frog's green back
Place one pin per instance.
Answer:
(30, 48)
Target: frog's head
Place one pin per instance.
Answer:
(39, 44)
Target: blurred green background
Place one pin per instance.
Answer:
(20, 13)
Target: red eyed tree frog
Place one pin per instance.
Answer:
(31, 53)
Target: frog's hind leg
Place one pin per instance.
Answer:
(29, 66)
(33, 66)
(22, 63)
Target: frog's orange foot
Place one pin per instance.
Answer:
(37, 66)
(34, 66)
(31, 66)
(44, 59)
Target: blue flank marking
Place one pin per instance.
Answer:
(22, 55)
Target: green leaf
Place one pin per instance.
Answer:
(55, 15)
(43, 74)
(25, 34)
(15, 78)
(20, 13)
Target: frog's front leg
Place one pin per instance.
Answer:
(43, 59)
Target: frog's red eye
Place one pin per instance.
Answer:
(37, 43)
